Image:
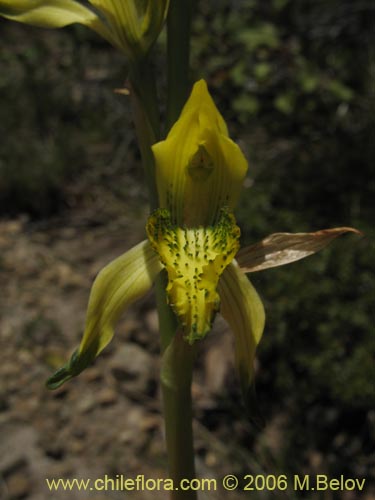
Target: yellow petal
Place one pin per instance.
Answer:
(283, 248)
(194, 258)
(198, 168)
(120, 283)
(242, 308)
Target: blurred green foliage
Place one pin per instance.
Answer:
(295, 81)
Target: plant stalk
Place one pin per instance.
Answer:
(176, 377)
(146, 117)
(178, 48)
(178, 354)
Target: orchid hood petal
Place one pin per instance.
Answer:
(199, 169)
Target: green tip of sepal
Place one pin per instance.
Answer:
(76, 364)
(61, 376)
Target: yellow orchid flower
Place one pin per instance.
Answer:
(193, 236)
(130, 25)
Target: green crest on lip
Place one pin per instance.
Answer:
(194, 258)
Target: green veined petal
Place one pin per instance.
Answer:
(120, 283)
(194, 259)
(136, 24)
(153, 20)
(122, 18)
(242, 308)
(198, 168)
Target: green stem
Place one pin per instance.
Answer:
(176, 376)
(178, 355)
(146, 117)
(178, 46)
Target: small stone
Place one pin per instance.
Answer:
(134, 366)
(126, 437)
(9, 369)
(106, 397)
(68, 233)
(60, 469)
(150, 422)
(218, 364)
(14, 445)
(152, 321)
(4, 403)
(77, 446)
(18, 486)
(92, 375)
(86, 403)
(55, 451)
(210, 459)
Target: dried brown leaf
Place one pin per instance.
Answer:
(279, 249)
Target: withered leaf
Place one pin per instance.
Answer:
(279, 249)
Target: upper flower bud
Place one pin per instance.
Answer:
(132, 25)
(199, 169)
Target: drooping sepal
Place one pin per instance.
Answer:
(194, 258)
(242, 308)
(118, 285)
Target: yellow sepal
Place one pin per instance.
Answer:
(242, 308)
(118, 285)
